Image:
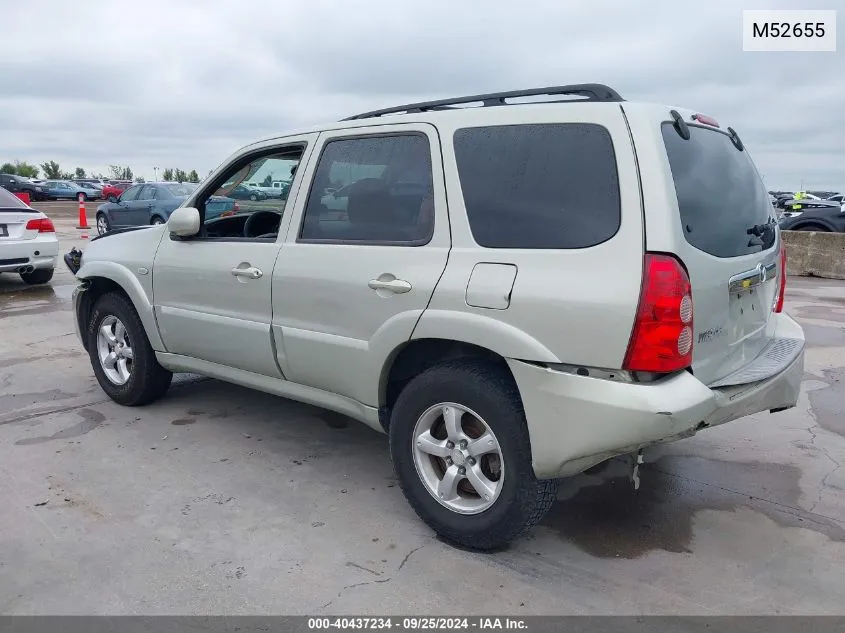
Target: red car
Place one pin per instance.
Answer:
(112, 191)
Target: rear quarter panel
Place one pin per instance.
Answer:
(574, 306)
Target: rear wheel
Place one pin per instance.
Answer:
(157, 219)
(121, 356)
(253, 197)
(37, 276)
(461, 450)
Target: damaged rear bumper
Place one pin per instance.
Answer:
(577, 421)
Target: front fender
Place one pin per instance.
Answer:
(136, 292)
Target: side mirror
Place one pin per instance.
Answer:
(184, 222)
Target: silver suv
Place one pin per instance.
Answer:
(513, 293)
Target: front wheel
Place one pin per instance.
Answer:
(157, 220)
(102, 224)
(121, 356)
(461, 451)
(37, 276)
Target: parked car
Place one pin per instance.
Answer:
(65, 189)
(520, 317)
(836, 198)
(28, 243)
(112, 191)
(99, 183)
(152, 203)
(19, 184)
(242, 192)
(814, 215)
(92, 191)
(269, 192)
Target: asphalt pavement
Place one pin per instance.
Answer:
(221, 500)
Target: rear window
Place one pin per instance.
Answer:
(539, 186)
(720, 195)
(10, 201)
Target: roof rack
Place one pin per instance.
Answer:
(589, 92)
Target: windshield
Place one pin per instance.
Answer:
(725, 208)
(181, 188)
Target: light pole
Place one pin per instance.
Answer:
(155, 173)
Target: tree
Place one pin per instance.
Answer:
(167, 174)
(21, 168)
(193, 176)
(118, 172)
(179, 175)
(80, 173)
(52, 170)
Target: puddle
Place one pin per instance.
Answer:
(91, 419)
(828, 404)
(20, 300)
(607, 518)
(15, 401)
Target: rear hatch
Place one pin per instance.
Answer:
(14, 215)
(716, 217)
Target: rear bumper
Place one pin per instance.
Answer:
(576, 421)
(40, 252)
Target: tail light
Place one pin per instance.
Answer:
(42, 225)
(778, 307)
(661, 340)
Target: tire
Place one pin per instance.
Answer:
(157, 219)
(37, 276)
(812, 227)
(253, 197)
(103, 225)
(147, 381)
(485, 391)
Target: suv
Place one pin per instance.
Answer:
(19, 184)
(513, 293)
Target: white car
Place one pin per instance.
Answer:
(28, 242)
(513, 294)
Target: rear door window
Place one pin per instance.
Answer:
(721, 197)
(550, 186)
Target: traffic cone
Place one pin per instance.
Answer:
(83, 221)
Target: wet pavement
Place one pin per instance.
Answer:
(218, 499)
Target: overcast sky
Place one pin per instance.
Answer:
(183, 83)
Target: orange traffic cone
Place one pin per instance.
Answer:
(83, 221)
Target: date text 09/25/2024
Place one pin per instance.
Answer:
(416, 623)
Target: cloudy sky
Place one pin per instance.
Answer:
(183, 83)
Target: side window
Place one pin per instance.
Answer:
(244, 202)
(539, 186)
(130, 194)
(376, 189)
(148, 192)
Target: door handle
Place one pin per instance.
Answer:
(250, 273)
(397, 286)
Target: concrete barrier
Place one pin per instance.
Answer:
(815, 254)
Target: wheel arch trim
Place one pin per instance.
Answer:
(130, 285)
